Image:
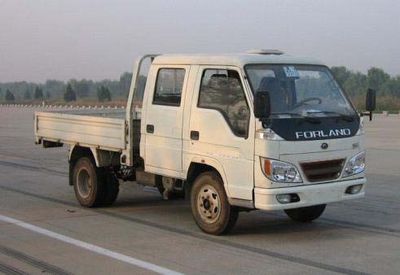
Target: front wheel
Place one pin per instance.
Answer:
(210, 207)
(306, 214)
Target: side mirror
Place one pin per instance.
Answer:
(262, 105)
(370, 102)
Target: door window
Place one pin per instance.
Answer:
(222, 91)
(169, 86)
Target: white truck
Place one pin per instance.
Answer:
(260, 130)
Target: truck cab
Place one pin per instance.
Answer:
(260, 130)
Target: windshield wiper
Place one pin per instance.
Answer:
(348, 118)
(314, 120)
(287, 113)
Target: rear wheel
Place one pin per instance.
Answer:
(306, 214)
(210, 207)
(93, 186)
(111, 189)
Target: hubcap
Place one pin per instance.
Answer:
(208, 204)
(84, 183)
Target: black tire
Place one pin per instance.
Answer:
(210, 207)
(93, 186)
(111, 188)
(88, 183)
(306, 214)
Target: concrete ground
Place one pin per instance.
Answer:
(141, 232)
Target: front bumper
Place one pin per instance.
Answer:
(265, 199)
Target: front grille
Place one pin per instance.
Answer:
(322, 170)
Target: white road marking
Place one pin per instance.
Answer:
(90, 247)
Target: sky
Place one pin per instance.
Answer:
(100, 39)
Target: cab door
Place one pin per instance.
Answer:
(163, 120)
(222, 129)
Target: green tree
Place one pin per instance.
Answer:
(27, 95)
(38, 94)
(103, 94)
(55, 87)
(69, 94)
(9, 96)
(377, 78)
(81, 87)
(125, 82)
(342, 74)
(356, 84)
(392, 87)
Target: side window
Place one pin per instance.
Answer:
(222, 90)
(169, 85)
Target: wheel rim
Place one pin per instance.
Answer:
(84, 183)
(209, 204)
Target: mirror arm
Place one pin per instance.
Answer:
(369, 114)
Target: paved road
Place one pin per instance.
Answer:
(43, 229)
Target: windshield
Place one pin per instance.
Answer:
(299, 90)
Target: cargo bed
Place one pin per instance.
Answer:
(90, 128)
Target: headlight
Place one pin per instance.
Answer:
(355, 165)
(280, 171)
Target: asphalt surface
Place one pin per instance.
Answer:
(44, 230)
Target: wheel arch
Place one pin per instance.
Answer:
(199, 165)
(75, 153)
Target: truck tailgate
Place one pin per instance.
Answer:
(91, 131)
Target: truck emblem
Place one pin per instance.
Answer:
(323, 134)
(324, 145)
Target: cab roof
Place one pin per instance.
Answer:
(239, 60)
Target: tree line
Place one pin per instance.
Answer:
(73, 90)
(354, 83)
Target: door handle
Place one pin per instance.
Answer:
(150, 128)
(194, 135)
